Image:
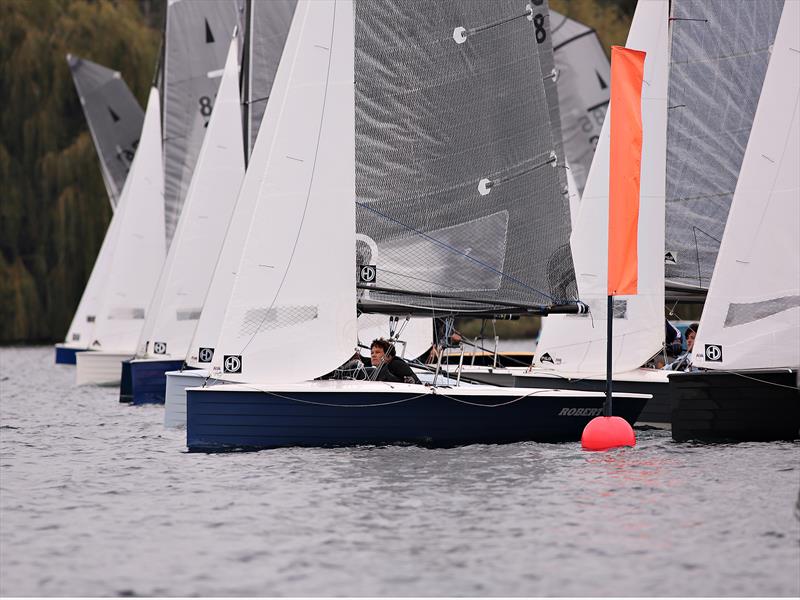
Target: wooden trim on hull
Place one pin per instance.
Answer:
(761, 405)
(219, 420)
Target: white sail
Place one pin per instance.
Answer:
(584, 78)
(175, 309)
(751, 317)
(138, 250)
(81, 330)
(294, 290)
(577, 343)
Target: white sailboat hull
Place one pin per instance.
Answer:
(175, 398)
(99, 367)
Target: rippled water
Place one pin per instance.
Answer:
(98, 499)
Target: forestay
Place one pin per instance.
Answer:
(292, 314)
(137, 247)
(578, 343)
(177, 302)
(719, 54)
(583, 82)
(751, 318)
(114, 118)
(197, 36)
(267, 28)
(460, 191)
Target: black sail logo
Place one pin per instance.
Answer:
(232, 363)
(204, 355)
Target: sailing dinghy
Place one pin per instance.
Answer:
(748, 344)
(115, 122)
(131, 258)
(444, 197)
(176, 305)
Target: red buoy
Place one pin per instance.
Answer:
(604, 433)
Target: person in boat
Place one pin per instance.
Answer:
(684, 361)
(389, 367)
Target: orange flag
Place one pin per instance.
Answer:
(625, 162)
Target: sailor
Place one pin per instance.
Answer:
(684, 361)
(389, 367)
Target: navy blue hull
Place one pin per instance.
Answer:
(147, 380)
(66, 356)
(125, 383)
(256, 420)
(744, 406)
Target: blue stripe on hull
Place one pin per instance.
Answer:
(224, 420)
(66, 356)
(149, 380)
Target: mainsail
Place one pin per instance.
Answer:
(459, 185)
(719, 55)
(267, 28)
(751, 317)
(583, 80)
(197, 35)
(114, 117)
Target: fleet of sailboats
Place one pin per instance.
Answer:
(384, 164)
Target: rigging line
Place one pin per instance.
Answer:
(310, 185)
(474, 30)
(551, 159)
(780, 385)
(695, 229)
(454, 250)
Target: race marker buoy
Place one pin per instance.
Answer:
(605, 433)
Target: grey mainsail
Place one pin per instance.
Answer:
(114, 117)
(542, 32)
(584, 77)
(197, 39)
(267, 27)
(719, 55)
(460, 203)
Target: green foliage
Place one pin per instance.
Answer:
(53, 208)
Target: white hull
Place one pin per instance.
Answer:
(175, 398)
(99, 368)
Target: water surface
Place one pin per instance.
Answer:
(97, 498)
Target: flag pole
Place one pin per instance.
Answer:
(607, 409)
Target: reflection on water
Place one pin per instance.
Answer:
(98, 499)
